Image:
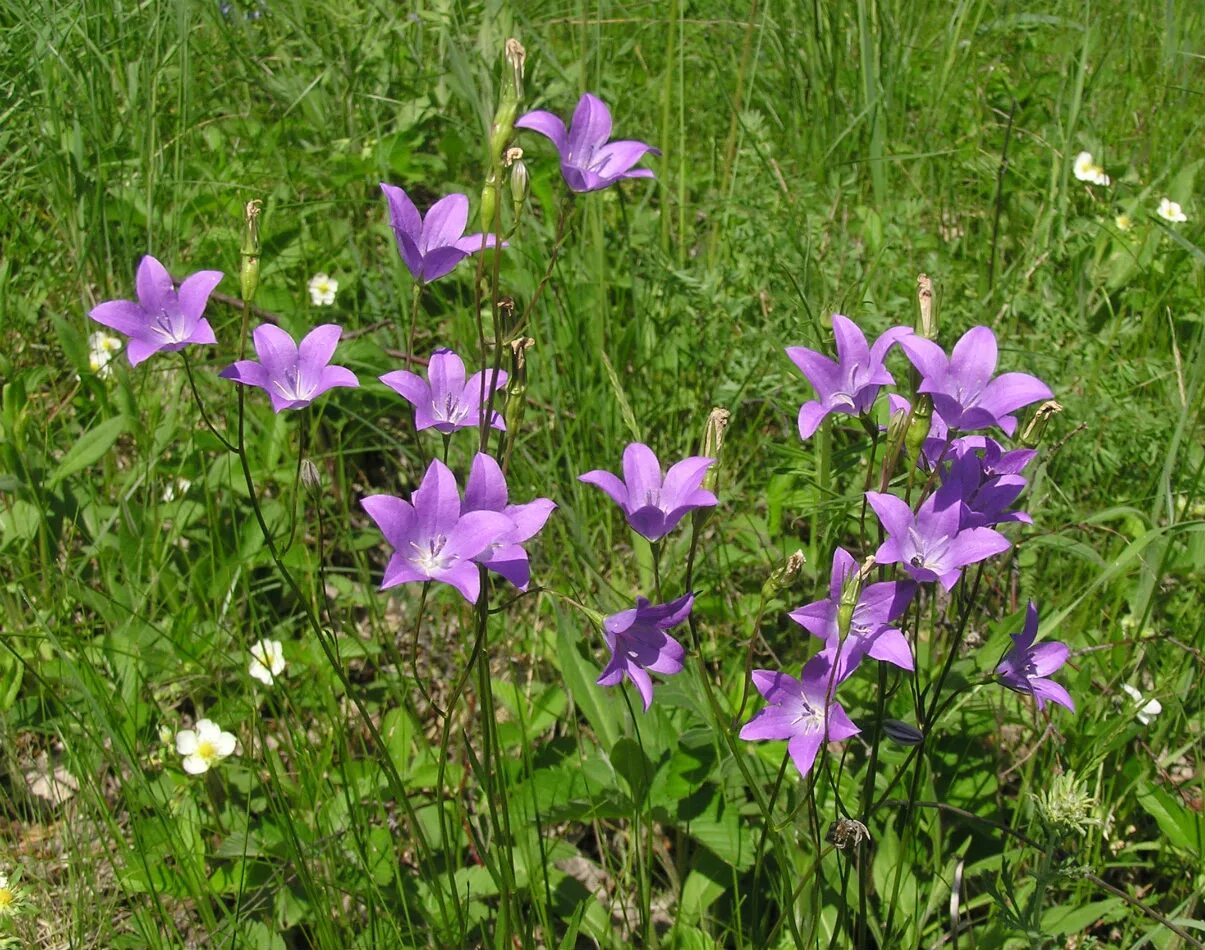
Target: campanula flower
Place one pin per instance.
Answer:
(871, 632)
(292, 375)
(802, 711)
(652, 504)
(588, 161)
(931, 544)
(445, 401)
(430, 247)
(639, 644)
(163, 318)
(203, 746)
(486, 490)
(986, 484)
(852, 383)
(433, 537)
(1026, 668)
(964, 391)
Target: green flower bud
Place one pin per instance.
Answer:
(918, 427)
(784, 576)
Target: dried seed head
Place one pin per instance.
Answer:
(1034, 429)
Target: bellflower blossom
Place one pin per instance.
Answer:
(588, 161)
(852, 383)
(445, 401)
(639, 644)
(964, 391)
(802, 711)
(654, 505)
(931, 544)
(486, 490)
(870, 631)
(163, 318)
(1026, 668)
(292, 375)
(986, 485)
(433, 538)
(430, 247)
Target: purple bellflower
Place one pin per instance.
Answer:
(588, 161)
(1026, 668)
(852, 383)
(653, 505)
(931, 544)
(431, 247)
(639, 644)
(163, 318)
(871, 632)
(486, 490)
(986, 485)
(292, 375)
(964, 391)
(432, 537)
(802, 711)
(445, 401)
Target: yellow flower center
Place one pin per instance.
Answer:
(7, 897)
(206, 750)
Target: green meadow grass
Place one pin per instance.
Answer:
(815, 159)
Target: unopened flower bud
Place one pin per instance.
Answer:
(902, 733)
(311, 478)
(784, 576)
(918, 427)
(850, 594)
(1032, 434)
(713, 444)
(927, 322)
(249, 271)
(489, 204)
(520, 186)
(1065, 806)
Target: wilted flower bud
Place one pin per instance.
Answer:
(516, 56)
(785, 576)
(311, 478)
(846, 833)
(1032, 434)
(927, 324)
(713, 444)
(249, 271)
(516, 386)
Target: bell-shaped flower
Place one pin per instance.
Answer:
(430, 247)
(292, 375)
(803, 711)
(1026, 668)
(433, 538)
(445, 401)
(986, 485)
(588, 161)
(639, 644)
(163, 318)
(964, 389)
(851, 384)
(486, 490)
(932, 544)
(870, 630)
(654, 504)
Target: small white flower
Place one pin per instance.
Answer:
(203, 746)
(179, 487)
(1171, 211)
(267, 661)
(1123, 221)
(1087, 170)
(322, 290)
(1147, 709)
(101, 349)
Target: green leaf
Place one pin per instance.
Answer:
(91, 447)
(630, 761)
(1180, 827)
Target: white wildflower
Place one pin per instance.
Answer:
(1171, 211)
(1147, 709)
(1124, 222)
(203, 746)
(267, 661)
(1087, 170)
(322, 290)
(101, 349)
